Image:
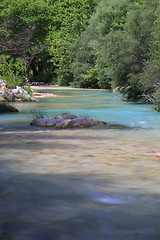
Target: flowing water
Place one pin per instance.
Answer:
(80, 184)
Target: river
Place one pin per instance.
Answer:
(98, 183)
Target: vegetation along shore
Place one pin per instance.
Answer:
(87, 44)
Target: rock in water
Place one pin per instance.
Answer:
(11, 95)
(66, 121)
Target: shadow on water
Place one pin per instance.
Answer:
(42, 137)
(39, 204)
(64, 207)
(26, 127)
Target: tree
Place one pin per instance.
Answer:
(71, 18)
(150, 76)
(24, 25)
(118, 38)
(83, 61)
(110, 16)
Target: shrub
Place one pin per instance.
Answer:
(39, 114)
(28, 89)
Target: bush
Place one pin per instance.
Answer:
(11, 72)
(28, 89)
(39, 114)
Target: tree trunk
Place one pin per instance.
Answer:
(33, 67)
(40, 67)
(27, 82)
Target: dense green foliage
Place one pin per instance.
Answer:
(24, 25)
(120, 49)
(89, 44)
(71, 18)
(36, 34)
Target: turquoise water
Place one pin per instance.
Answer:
(80, 184)
(102, 105)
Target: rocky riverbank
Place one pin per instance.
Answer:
(18, 94)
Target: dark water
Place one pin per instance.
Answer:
(99, 183)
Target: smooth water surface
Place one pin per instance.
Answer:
(97, 183)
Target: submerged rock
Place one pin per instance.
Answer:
(66, 121)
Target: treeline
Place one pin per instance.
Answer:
(35, 36)
(121, 49)
(88, 43)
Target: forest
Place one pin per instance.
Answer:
(108, 44)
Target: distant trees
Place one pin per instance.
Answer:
(24, 25)
(120, 48)
(71, 18)
(38, 33)
(109, 42)
(150, 76)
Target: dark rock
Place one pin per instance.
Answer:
(45, 122)
(65, 116)
(66, 121)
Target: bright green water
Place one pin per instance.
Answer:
(87, 184)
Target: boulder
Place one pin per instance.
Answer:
(45, 122)
(85, 122)
(65, 116)
(38, 122)
(2, 99)
(52, 122)
(2, 85)
(66, 121)
(17, 94)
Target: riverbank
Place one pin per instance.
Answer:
(15, 94)
(55, 87)
(19, 94)
(40, 95)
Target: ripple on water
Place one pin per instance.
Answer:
(110, 200)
